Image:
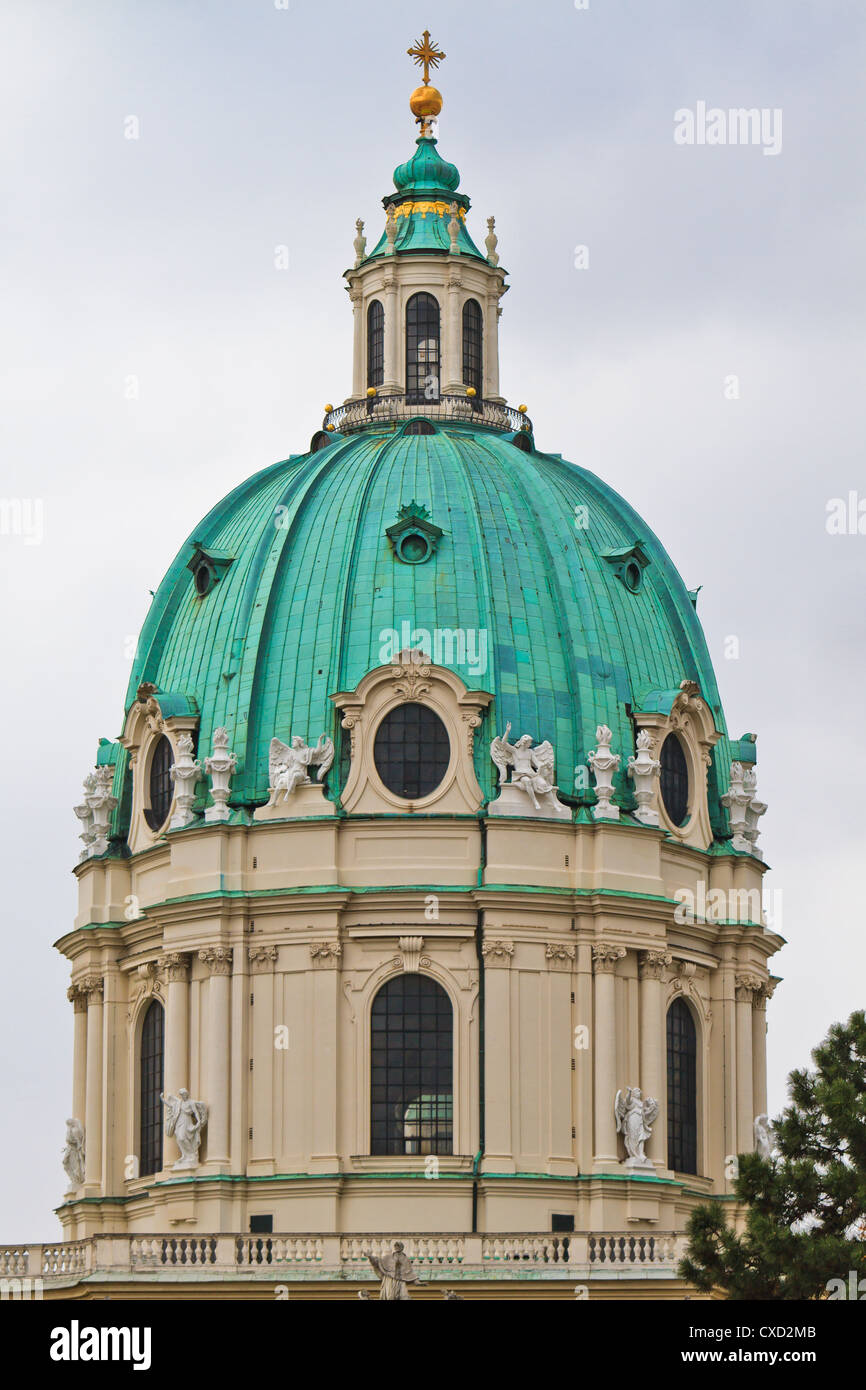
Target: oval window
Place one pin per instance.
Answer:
(413, 548)
(159, 785)
(674, 780)
(412, 751)
(633, 576)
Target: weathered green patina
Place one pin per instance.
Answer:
(314, 598)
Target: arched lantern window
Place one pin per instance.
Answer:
(472, 347)
(682, 1048)
(151, 1065)
(422, 349)
(411, 1068)
(375, 344)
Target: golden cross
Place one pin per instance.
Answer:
(427, 54)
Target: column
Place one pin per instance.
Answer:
(240, 1056)
(746, 985)
(261, 1150)
(451, 368)
(218, 960)
(653, 1061)
(604, 959)
(492, 315)
(759, 1046)
(393, 337)
(324, 981)
(560, 957)
(78, 999)
(175, 966)
(498, 1141)
(359, 373)
(92, 987)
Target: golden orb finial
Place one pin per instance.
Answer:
(426, 101)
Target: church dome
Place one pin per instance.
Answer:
(525, 574)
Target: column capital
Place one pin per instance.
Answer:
(559, 955)
(605, 957)
(93, 986)
(218, 959)
(747, 986)
(175, 966)
(325, 955)
(262, 958)
(652, 964)
(77, 997)
(498, 954)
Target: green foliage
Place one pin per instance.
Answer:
(819, 1171)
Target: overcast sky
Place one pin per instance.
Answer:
(152, 355)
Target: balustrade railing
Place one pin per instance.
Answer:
(335, 1255)
(359, 415)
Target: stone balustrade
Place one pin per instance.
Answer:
(330, 1256)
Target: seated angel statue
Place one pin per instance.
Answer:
(288, 765)
(532, 768)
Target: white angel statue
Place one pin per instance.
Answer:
(765, 1136)
(533, 768)
(288, 765)
(185, 1119)
(73, 1152)
(635, 1118)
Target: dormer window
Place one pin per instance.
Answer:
(422, 349)
(207, 568)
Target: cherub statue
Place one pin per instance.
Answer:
(765, 1136)
(73, 1152)
(395, 1272)
(635, 1118)
(288, 764)
(185, 1120)
(533, 768)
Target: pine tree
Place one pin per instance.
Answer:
(816, 1177)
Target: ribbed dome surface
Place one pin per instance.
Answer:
(313, 584)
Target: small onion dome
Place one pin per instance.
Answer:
(328, 408)
(470, 391)
(426, 171)
(425, 101)
(523, 409)
(371, 391)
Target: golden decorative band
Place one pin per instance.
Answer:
(443, 210)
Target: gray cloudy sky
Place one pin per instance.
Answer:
(153, 259)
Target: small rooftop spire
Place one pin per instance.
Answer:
(426, 101)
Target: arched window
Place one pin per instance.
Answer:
(422, 349)
(150, 1085)
(160, 786)
(682, 1089)
(375, 344)
(472, 349)
(411, 1066)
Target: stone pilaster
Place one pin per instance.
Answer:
(218, 960)
(92, 987)
(604, 959)
(174, 966)
(653, 1080)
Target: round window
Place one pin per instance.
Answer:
(674, 780)
(160, 785)
(633, 576)
(411, 751)
(203, 578)
(413, 548)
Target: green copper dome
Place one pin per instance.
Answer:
(426, 172)
(583, 623)
(426, 189)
